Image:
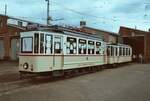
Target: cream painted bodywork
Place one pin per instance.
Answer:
(59, 62)
(118, 59)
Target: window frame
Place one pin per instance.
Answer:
(76, 41)
(99, 47)
(51, 43)
(92, 49)
(84, 44)
(22, 45)
(38, 44)
(61, 47)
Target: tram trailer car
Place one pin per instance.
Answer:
(48, 51)
(118, 54)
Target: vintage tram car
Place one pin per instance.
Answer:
(49, 51)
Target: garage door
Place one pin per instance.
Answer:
(14, 48)
(1, 49)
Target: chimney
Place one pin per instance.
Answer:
(82, 23)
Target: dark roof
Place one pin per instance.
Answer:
(101, 30)
(127, 29)
(15, 26)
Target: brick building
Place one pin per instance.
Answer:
(10, 29)
(139, 40)
(107, 36)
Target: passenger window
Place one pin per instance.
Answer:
(112, 51)
(82, 46)
(126, 51)
(48, 44)
(41, 43)
(91, 47)
(57, 45)
(123, 51)
(120, 51)
(116, 51)
(98, 44)
(36, 43)
(71, 45)
(108, 50)
(129, 52)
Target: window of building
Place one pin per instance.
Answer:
(71, 45)
(26, 44)
(36, 43)
(91, 47)
(98, 47)
(57, 45)
(1, 24)
(41, 43)
(48, 44)
(20, 23)
(82, 46)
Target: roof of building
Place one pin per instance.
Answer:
(101, 30)
(11, 17)
(124, 29)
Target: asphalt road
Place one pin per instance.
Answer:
(127, 83)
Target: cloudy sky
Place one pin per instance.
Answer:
(102, 14)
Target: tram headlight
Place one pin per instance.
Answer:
(25, 65)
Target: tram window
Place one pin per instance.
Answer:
(82, 46)
(71, 45)
(116, 53)
(41, 43)
(36, 43)
(26, 44)
(126, 51)
(57, 45)
(120, 51)
(112, 51)
(123, 51)
(108, 50)
(98, 44)
(129, 51)
(48, 44)
(91, 47)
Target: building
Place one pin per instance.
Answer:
(10, 29)
(107, 36)
(139, 40)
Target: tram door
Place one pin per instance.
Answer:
(58, 53)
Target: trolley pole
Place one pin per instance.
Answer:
(48, 18)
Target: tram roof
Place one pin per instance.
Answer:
(68, 31)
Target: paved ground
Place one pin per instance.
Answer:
(127, 83)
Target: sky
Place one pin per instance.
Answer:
(101, 14)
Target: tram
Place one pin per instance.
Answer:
(49, 51)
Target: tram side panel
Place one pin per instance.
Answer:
(71, 62)
(35, 63)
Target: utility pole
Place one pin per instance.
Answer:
(5, 9)
(48, 17)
